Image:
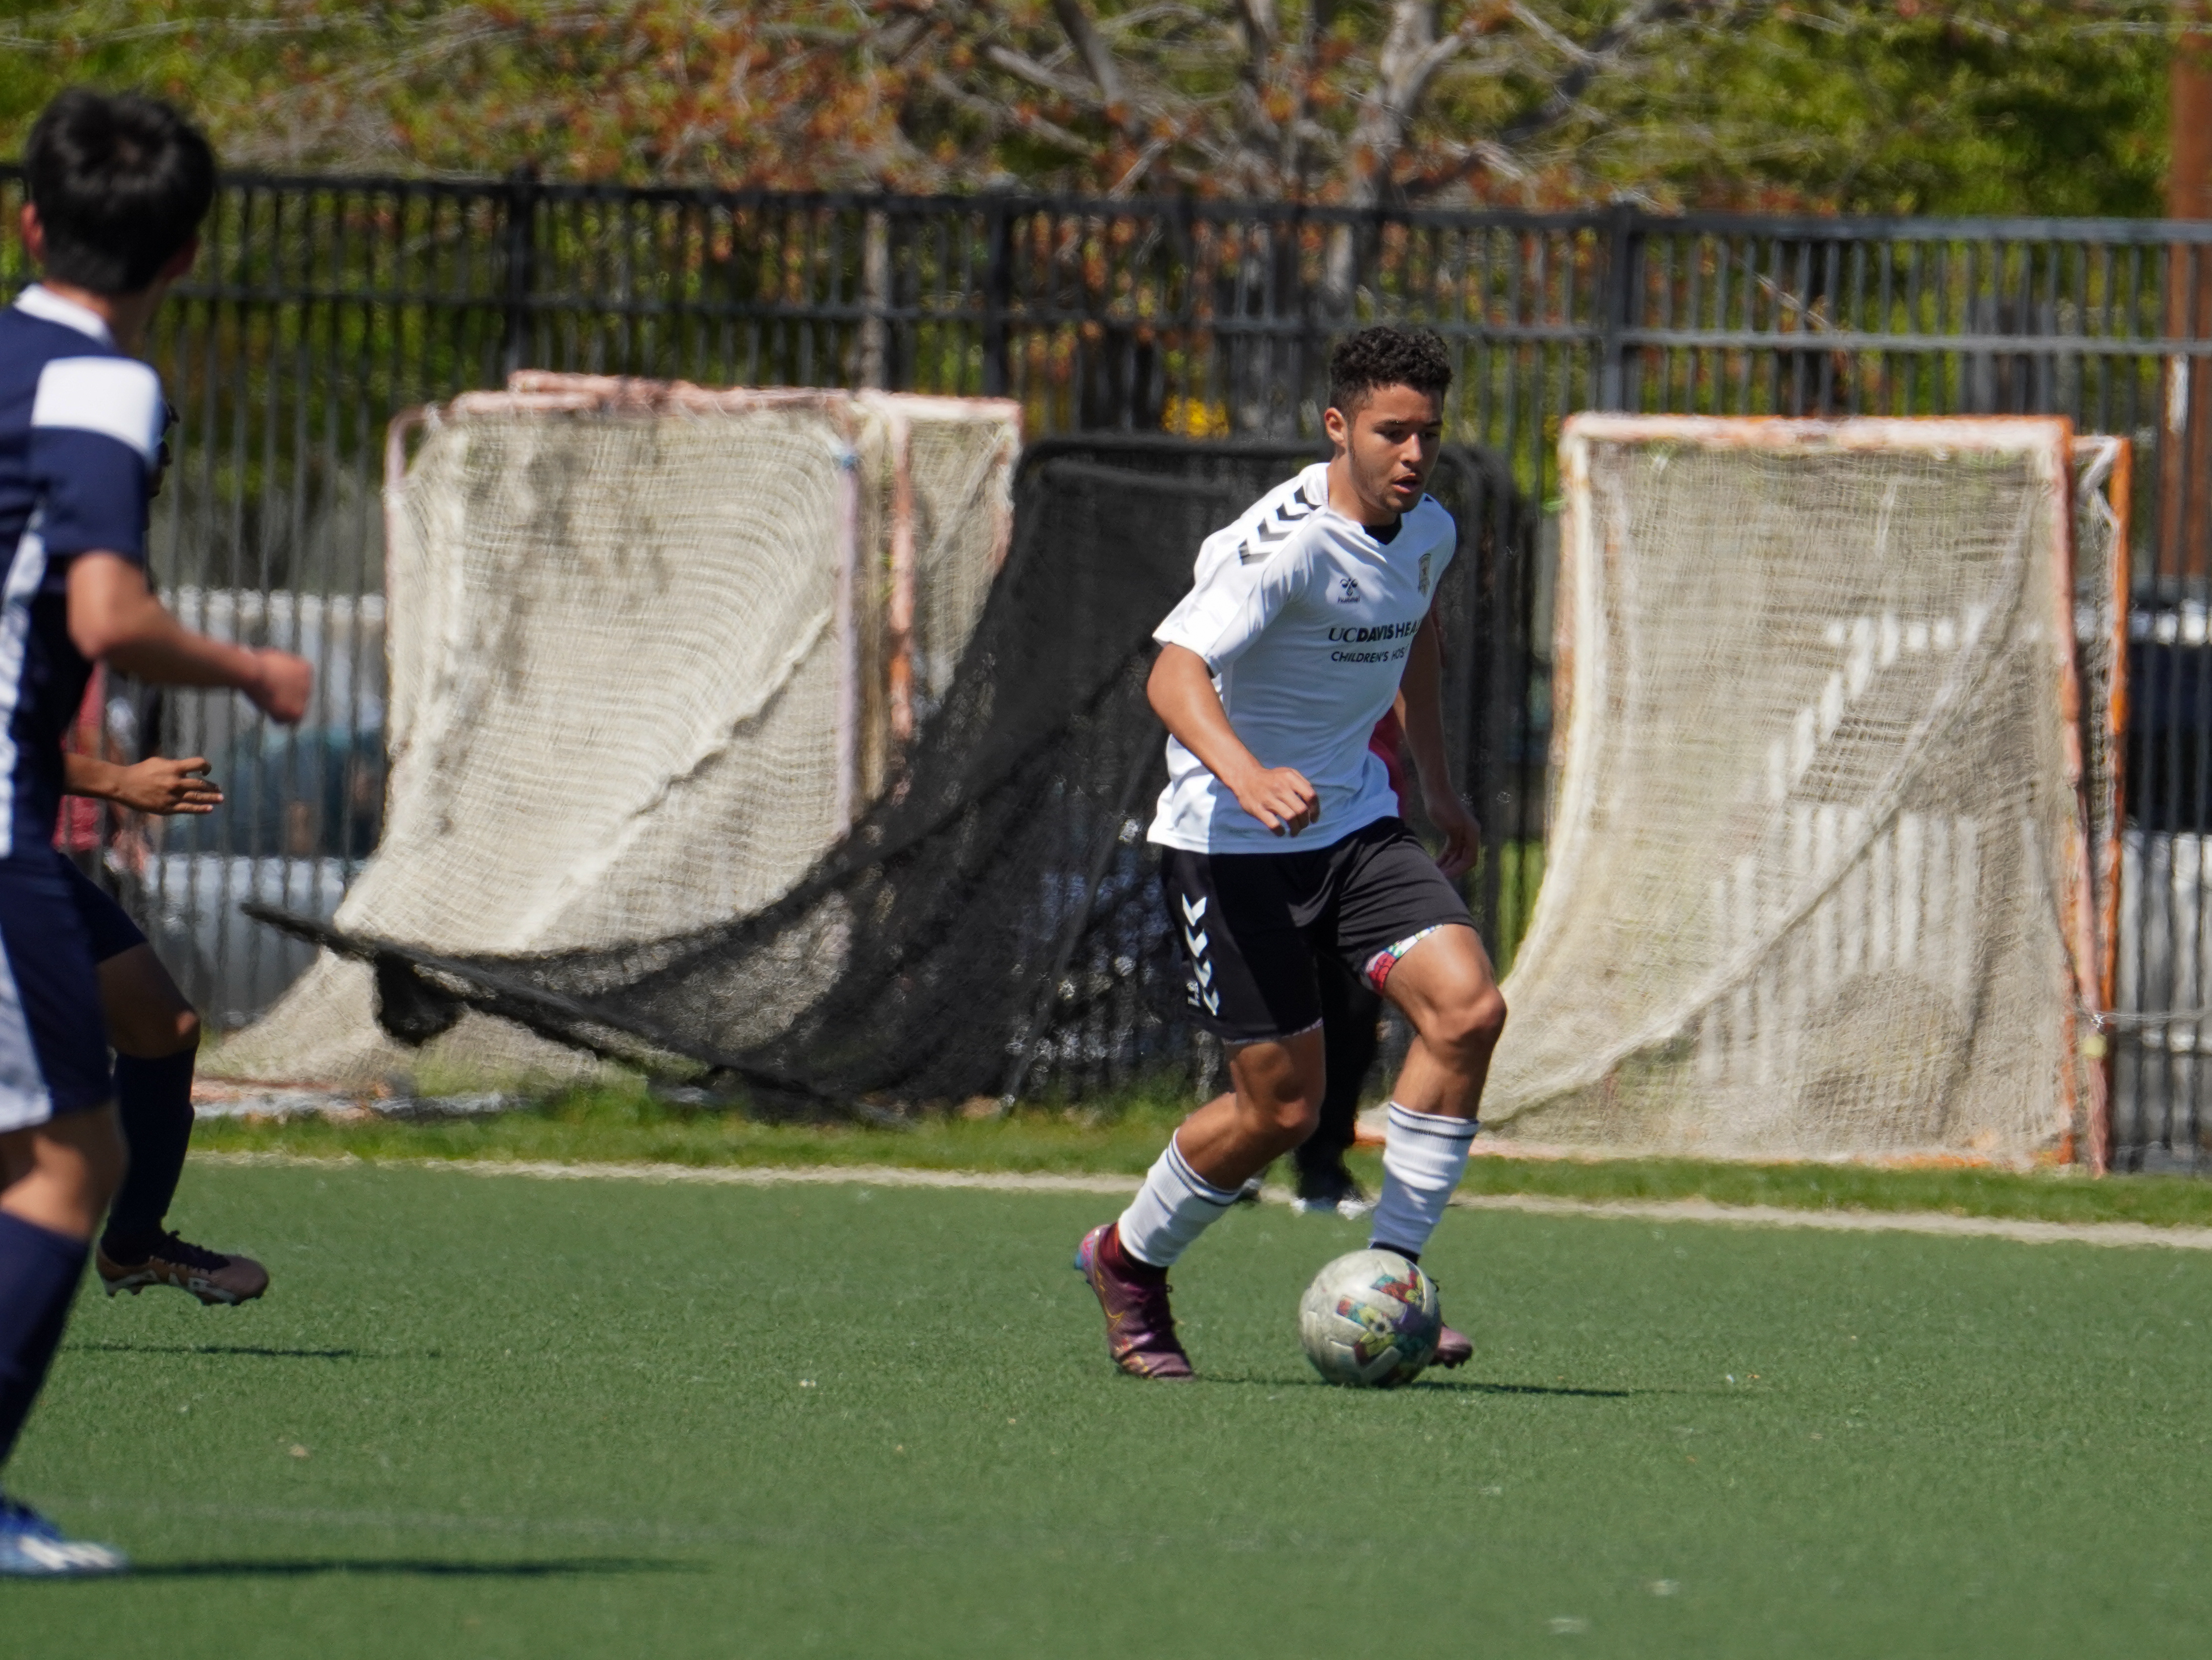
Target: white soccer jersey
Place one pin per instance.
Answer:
(1306, 620)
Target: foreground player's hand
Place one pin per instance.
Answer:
(285, 683)
(1462, 833)
(164, 787)
(1280, 798)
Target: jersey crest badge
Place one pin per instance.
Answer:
(1425, 574)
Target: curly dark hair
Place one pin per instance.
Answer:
(1384, 356)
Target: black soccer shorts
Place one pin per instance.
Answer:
(1252, 924)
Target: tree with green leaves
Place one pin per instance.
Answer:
(1908, 105)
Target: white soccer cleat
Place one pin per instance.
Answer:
(1330, 1190)
(32, 1548)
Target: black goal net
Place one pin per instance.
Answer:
(991, 925)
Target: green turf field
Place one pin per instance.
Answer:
(515, 1417)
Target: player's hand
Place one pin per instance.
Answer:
(282, 690)
(164, 787)
(1280, 798)
(1462, 832)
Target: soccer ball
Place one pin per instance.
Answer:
(1369, 1320)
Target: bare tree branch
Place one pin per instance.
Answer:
(1412, 54)
(1027, 69)
(1636, 22)
(1094, 53)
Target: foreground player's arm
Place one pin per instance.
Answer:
(1423, 690)
(114, 618)
(1181, 691)
(157, 785)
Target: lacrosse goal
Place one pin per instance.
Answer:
(1820, 878)
(654, 647)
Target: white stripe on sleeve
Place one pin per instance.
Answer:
(117, 397)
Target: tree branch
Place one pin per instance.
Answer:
(999, 116)
(1635, 21)
(1411, 55)
(1029, 69)
(1096, 58)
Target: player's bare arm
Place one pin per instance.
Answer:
(1423, 717)
(114, 618)
(160, 785)
(1180, 690)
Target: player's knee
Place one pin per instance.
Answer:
(1296, 1120)
(1285, 1115)
(1472, 1025)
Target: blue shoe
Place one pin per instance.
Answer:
(32, 1548)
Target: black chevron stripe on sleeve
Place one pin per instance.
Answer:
(1266, 537)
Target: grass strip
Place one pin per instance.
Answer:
(631, 1125)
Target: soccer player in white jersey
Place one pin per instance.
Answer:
(1280, 840)
(118, 187)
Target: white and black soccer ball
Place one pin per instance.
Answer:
(1370, 1320)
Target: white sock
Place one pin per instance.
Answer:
(1424, 1156)
(1173, 1208)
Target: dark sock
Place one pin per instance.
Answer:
(39, 1272)
(1413, 1256)
(153, 1098)
(1125, 1266)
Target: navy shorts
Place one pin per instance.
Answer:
(109, 925)
(1253, 925)
(54, 1041)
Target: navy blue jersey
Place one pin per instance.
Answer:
(80, 423)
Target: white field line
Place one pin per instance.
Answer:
(1639, 1211)
(858, 1175)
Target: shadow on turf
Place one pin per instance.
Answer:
(306, 1567)
(1476, 1386)
(253, 1350)
(1453, 1385)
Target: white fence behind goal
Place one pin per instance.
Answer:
(1818, 881)
(653, 648)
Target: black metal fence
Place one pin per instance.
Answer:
(321, 305)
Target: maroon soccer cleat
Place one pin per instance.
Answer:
(209, 1276)
(1453, 1349)
(1140, 1332)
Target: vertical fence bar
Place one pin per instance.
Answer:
(1618, 285)
(519, 271)
(998, 296)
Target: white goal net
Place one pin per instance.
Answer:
(1819, 881)
(653, 648)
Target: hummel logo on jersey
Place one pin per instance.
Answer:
(1275, 529)
(1347, 590)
